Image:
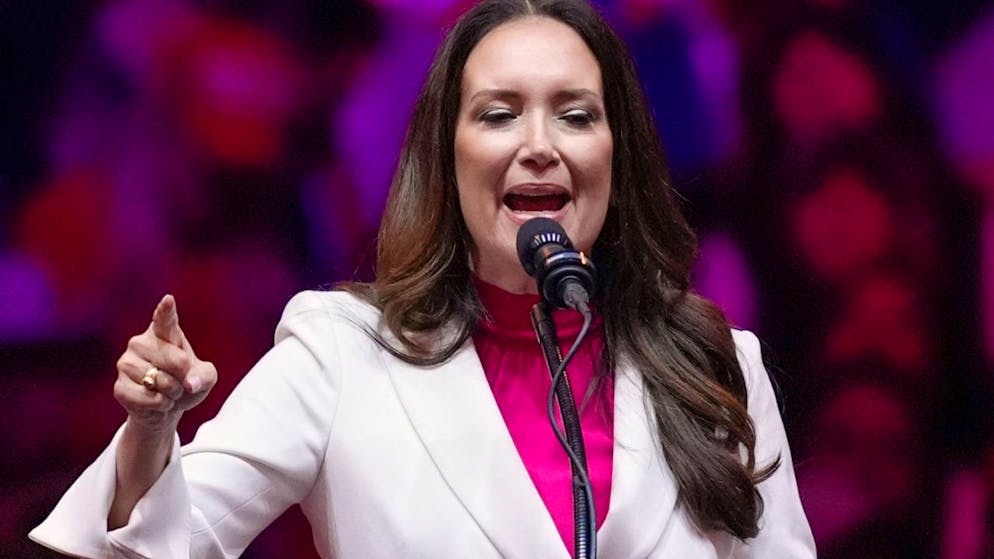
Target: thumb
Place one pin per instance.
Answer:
(165, 321)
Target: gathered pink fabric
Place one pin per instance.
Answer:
(519, 378)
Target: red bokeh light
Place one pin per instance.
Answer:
(821, 89)
(844, 226)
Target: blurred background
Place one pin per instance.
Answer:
(836, 157)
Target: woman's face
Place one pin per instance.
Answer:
(532, 139)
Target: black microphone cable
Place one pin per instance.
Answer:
(586, 546)
(565, 279)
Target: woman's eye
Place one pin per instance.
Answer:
(497, 116)
(578, 117)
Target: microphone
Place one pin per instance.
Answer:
(566, 277)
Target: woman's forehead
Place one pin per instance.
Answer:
(528, 53)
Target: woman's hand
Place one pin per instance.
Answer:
(158, 378)
(179, 380)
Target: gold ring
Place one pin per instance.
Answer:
(148, 381)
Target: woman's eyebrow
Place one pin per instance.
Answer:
(496, 94)
(576, 94)
(573, 93)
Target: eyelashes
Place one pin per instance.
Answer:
(574, 117)
(578, 117)
(497, 116)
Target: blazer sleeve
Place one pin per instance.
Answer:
(261, 454)
(784, 532)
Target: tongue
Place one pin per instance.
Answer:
(549, 203)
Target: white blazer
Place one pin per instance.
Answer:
(390, 460)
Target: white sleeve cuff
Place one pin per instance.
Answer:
(78, 524)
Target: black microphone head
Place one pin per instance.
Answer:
(535, 233)
(547, 255)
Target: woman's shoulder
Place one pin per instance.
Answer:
(333, 304)
(761, 387)
(747, 346)
(749, 353)
(323, 313)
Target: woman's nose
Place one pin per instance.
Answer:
(538, 149)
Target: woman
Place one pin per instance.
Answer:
(398, 413)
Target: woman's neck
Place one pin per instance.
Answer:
(510, 277)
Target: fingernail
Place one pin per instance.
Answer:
(195, 385)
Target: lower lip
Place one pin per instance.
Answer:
(521, 217)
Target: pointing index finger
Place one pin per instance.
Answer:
(165, 321)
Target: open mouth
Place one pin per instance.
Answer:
(537, 202)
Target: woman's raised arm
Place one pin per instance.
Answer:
(158, 378)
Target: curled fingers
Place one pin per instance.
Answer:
(136, 398)
(137, 370)
(165, 355)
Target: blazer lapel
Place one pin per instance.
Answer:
(643, 493)
(453, 411)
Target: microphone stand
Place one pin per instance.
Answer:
(584, 519)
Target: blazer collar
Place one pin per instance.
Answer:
(643, 492)
(453, 411)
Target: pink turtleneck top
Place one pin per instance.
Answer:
(519, 378)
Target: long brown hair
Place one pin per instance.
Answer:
(680, 342)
